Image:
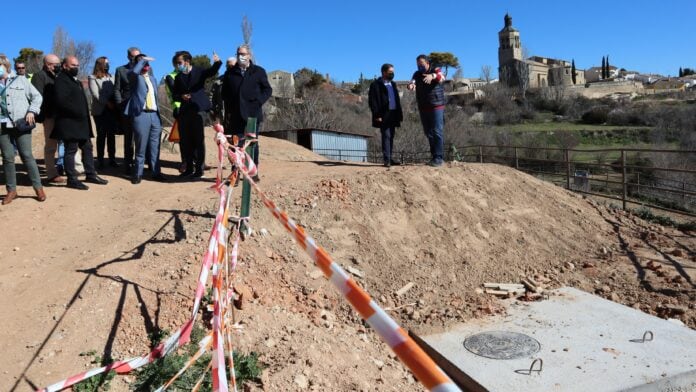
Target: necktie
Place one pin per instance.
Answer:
(150, 96)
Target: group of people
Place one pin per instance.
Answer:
(385, 105)
(127, 103)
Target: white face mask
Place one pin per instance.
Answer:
(2, 71)
(243, 60)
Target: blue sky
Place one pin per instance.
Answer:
(345, 38)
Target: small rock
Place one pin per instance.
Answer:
(157, 252)
(355, 272)
(301, 381)
(316, 274)
(570, 266)
(263, 232)
(270, 343)
(16, 249)
(614, 297)
(415, 316)
(378, 363)
(678, 253)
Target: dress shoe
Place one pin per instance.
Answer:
(395, 162)
(40, 194)
(186, 173)
(77, 185)
(387, 164)
(56, 180)
(60, 169)
(197, 174)
(11, 195)
(95, 179)
(113, 163)
(136, 180)
(256, 178)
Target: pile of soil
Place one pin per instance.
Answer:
(98, 271)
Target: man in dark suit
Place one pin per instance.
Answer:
(73, 124)
(385, 105)
(189, 89)
(122, 91)
(245, 89)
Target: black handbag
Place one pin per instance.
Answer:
(23, 126)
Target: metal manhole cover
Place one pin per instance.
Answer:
(502, 345)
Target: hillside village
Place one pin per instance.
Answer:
(540, 72)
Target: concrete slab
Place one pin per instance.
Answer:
(587, 344)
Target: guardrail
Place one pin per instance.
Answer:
(628, 175)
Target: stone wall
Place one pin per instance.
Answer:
(599, 90)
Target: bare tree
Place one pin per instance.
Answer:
(486, 73)
(62, 44)
(522, 73)
(247, 29)
(84, 51)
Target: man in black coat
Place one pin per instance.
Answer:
(73, 124)
(387, 115)
(122, 94)
(189, 89)
(245, 89)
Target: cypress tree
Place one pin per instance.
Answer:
(608, 71)
(572, 71)
(603, 64)
(681, 72)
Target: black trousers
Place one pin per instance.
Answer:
(192, 139)
(71, 148)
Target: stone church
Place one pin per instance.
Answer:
(537, 71)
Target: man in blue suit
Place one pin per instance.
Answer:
(143, 109)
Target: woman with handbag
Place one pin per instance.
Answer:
(20, 102)
(101, 88)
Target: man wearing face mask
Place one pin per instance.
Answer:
(43, 81)
(122, 91)
(147, 128)
(73, 124)
(385, 105)
(245, 89)
(430, 95)
(189, 89)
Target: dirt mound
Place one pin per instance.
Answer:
(96, 272)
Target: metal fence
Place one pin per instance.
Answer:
(660, 179)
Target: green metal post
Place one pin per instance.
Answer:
(245, 209)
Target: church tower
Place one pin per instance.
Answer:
(509, 40)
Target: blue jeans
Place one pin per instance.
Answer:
(147, 130)
(22, 140)
(433, 127)
(387, 143)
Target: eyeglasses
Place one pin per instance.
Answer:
(18, 68)
(242, 54)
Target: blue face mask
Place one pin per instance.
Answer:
(181, 67)
(421, 68)
(2, 71)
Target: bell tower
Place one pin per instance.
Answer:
(509, 48)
